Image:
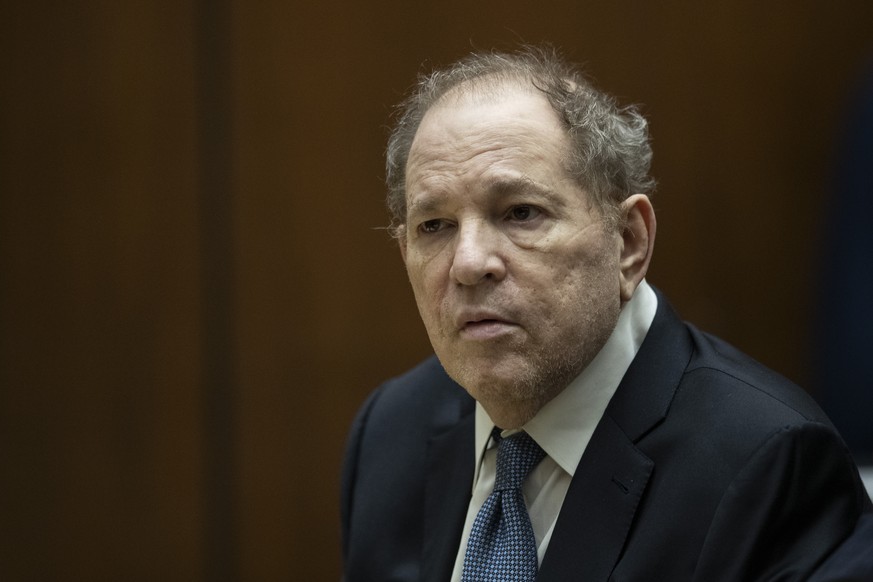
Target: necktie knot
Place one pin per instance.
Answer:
(517, 455)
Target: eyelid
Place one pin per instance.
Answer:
(535, 210)
(441, 225)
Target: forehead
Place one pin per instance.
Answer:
(500, 109)
(481, 127)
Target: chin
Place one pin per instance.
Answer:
(525, 381)
(486, 382)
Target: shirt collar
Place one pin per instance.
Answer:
(564, 425)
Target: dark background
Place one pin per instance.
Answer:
(195, 295)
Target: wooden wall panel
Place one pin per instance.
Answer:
(100, 404)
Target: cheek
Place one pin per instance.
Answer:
(416, 272)
(425, 282)
(594, 258)
(571, 268)
(578, 280)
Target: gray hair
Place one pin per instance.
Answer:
(611, 153)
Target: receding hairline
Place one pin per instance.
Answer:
(488, 92)
(492, 85)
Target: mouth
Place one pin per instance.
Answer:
(484, 326)
(483, 321)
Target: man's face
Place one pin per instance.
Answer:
(515, 274)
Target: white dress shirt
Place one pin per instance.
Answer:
(562, 427)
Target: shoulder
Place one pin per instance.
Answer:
(384, 466)
(694, 382)
(737, 383)
(415, 398)
(747, 450)
(717, 409)
(853, 560)
(400, 416)
(737, 407)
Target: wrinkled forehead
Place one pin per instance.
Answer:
(486, 114)
(488, 140)
(496, 105)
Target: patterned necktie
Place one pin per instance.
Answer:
(502, 547)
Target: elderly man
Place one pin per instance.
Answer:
(570, 426)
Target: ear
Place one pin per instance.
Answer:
(638, 242)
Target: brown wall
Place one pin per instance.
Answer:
(194, 292)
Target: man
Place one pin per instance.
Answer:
(570, 427)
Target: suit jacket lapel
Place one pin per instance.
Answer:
(449, 482)
(612, 475)
(599, 508)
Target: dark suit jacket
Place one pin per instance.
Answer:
(706, 466)
(853, 560)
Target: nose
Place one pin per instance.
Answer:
(476, 255)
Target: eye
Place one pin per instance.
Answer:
(523, 213)
(431, 226)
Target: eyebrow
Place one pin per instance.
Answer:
(522, 184)
(496, 188)
(424, 205)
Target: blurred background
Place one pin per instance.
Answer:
(196, 294)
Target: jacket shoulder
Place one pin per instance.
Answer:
(384, 468)
(724, 372)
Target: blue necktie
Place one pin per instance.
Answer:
(502, 546)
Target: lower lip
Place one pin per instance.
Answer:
(485, 330)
